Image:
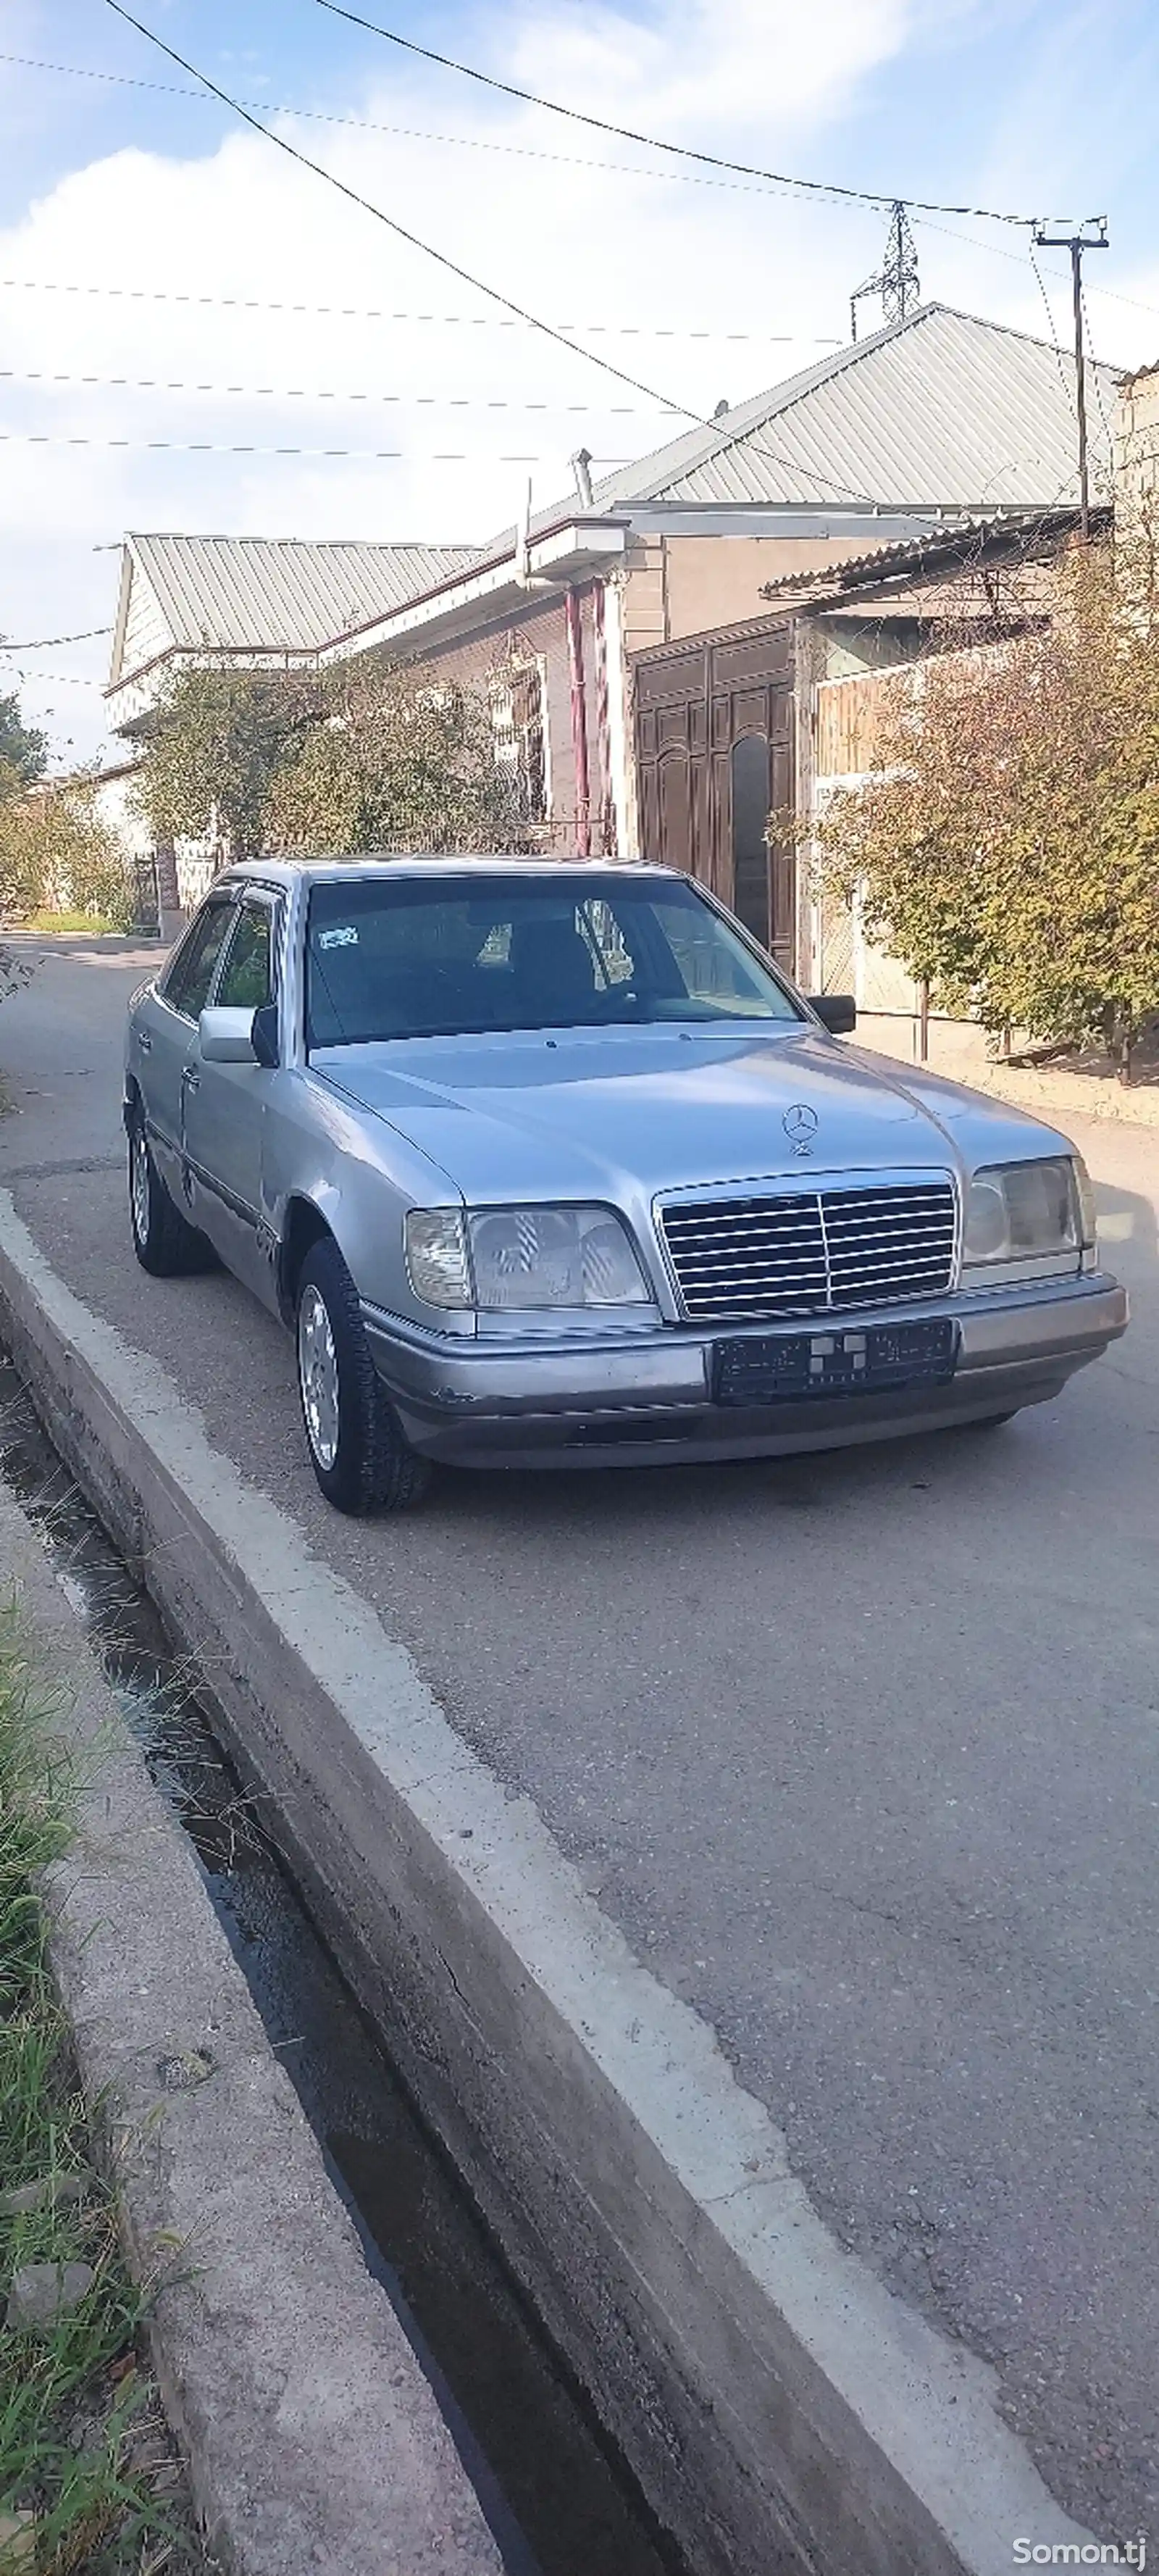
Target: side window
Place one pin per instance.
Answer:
(605, 937)
(247, 975)
(187, 984)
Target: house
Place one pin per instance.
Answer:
(248, 604)
(936, 422)
(253, 603)
(585, 626)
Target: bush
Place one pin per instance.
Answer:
(56, 852)
(1007, 850)
(395, 762)
(362, 756)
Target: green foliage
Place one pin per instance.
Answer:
(359, 757)
(218, 742)
(23, 751)
(55, 851)
(394, 762)
(1007, 847)
(99, 2505)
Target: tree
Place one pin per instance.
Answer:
(23, 751)
(396, 761)
(361, 756)
(218, 741)
(55, 849)
(1007, 847)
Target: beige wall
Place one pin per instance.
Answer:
(1137, 439)
(677, 586)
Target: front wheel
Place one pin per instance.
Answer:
(165, 1243)
(358, 1451)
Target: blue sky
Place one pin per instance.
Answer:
(702, 290)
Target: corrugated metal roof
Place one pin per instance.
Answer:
(260, 594)
(942, 410)
(965, 540)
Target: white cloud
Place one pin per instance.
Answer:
(641, 256)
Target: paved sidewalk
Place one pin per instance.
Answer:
(860, 1751)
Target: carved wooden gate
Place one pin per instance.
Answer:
(714, 758)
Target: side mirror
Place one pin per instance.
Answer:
(837, 1012)
(227, 1036)
(265, 1035)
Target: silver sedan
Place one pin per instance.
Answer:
(546, 1165)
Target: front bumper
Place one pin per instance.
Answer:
(647, 1398)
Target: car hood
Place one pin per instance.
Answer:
(611, 1114)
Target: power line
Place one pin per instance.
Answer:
(653, 143)
(1090, 236)
(43, 643)
(379, 313)
(418, 133)
(58, 679)
(213, 447)
(560, 160)
(477, 285)
(1060, 361)
(1098, 373)
(303, 393)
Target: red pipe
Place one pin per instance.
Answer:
(603, 726)
(579, 723)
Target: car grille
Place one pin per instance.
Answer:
(816, 1252)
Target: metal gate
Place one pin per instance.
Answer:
(714, 759)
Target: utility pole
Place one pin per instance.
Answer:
(1090, 236)
(897, 281)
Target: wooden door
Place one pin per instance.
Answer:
(714, 756)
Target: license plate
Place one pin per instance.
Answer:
(851, 1360)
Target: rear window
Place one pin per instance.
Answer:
(415, 958)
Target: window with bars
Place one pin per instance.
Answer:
(519, 725)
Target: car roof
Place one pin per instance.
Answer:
(294, 871)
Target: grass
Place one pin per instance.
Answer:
(94, 925)
(89, 2481)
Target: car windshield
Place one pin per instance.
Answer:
(409, 957)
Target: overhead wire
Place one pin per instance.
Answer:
(1065, 379)
(44, 643)
(415, 133)
(1095, 368)
(379, 313)
(305, 393)
(775, 182)
(214, 447)
(654, 143)
(810, 475)
(479, 143)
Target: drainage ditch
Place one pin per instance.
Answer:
(558, 2498)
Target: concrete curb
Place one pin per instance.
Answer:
(313, 2441)
(784, 2413)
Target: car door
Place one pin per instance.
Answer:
(225, 1104)
(163, 1034)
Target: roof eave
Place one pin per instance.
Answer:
(576, 549)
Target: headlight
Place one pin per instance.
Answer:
(436, 1257)
(1022, 1211)
(512, 1259)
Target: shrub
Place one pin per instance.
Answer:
(1007, 848)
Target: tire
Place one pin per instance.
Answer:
(165, 1243)
(357, 1449)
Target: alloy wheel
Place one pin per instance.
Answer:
(318, 1376)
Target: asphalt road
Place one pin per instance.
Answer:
(862, 1752)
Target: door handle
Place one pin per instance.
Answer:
(190, 1078)
(144, 1042)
